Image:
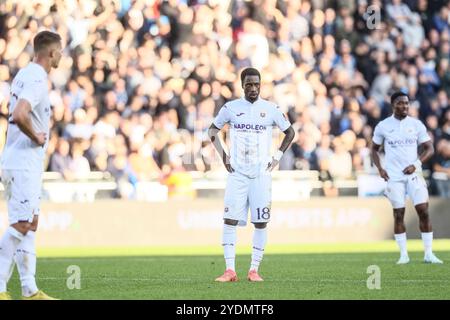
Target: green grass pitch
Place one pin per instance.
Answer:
(326, 271)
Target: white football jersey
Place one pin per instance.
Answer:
(250, 132)
(400, 139)
(20, 152)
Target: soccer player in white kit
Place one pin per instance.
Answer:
(401, 136)
(249, 165)
(22, 164)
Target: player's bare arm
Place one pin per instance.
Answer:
(21, 117)
(377, 162)
(289, 135)
(427, 151)
(213, 133)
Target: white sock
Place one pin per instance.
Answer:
(8, 245)
(259, 243)
(229, 245)
(26, 264)
(427, 238)
(401, 242)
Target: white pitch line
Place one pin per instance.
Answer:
(141, 259)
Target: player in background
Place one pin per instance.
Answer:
(22, 164)
(249, 182)
(401, 137)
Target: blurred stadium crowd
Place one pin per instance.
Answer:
(141, 80)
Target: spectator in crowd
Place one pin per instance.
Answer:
(80, 128)
(123, 175)
(143, 164)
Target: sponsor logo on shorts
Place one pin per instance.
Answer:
(409, 130)
(402, 142)
(226, 209)
(262, 114)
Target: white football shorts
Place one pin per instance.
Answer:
(414, 187)
(22, 193)
(242, 193)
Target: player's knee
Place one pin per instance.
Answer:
(260, 225)
(34, 224)
(230, 222)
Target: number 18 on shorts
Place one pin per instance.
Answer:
(243, 193)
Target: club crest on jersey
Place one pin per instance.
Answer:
(262, 114)
(19, 83)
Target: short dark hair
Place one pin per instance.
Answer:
(249, 72)
(45, 38)
(397, 94)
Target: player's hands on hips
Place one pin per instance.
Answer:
(40, 138)
(409, 169)
(271, 165)
(226, 162)
(383, 174)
